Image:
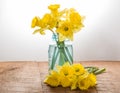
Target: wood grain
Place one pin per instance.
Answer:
(27, 77)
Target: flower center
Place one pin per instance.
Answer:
(77, 70)
(65, 74)
(66, 28)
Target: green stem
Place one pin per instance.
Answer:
(99, 71)
(95, 70)
(69, 55)
(53, 59)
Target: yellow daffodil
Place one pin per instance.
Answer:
(35, 21)
(84, 75)
(65, 81)
(66, 73)
(74, 81)
(92, 79)
(66, 70)
(75, 18)
(78, 68)
(65, 29)
(54, 7)
(54, 10)
(45, 21)
(53, 79)
(86, 80)
(84, 84)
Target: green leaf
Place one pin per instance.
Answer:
(70, 58)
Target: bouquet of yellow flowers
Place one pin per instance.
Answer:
(74, 76)
(71, 76)
(63, 24)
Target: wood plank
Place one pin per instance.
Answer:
(20, 78)
(27, 77)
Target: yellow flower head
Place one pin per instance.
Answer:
(46, 21)
(78, 69)
(35, 21)
(76, 19)
(74, 82)
(54, 13)
(86, 80)
(54, 7)
(84, 84)
(65, 81)
(92, 79)
(65, 29)
(53, 79)
(66, 70)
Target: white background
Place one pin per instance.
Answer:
(98, 40)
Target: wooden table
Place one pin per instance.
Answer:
(27, 77)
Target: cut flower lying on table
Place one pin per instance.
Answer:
(73, 76)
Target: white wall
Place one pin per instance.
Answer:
(98, 40)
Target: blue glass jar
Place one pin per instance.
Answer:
(59, 53)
